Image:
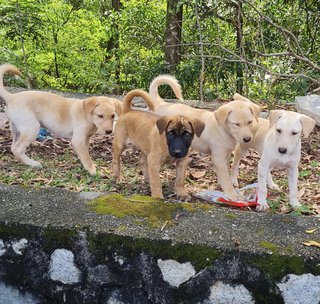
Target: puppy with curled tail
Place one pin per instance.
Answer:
(72, 118)
(230, 124)
(159, 139)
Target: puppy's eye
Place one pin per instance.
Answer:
(294, 133)
(186, 134)
(112, 116)
(250, 122)
(171, 133)
(236, 124)
(100, 115)
(279, 131)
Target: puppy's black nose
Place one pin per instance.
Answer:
(177, 153)
(282, 150)
(247, 139)
(108, 131)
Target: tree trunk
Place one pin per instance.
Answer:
(173, 35)
(239, 44)
(22, 46)
(113, 43)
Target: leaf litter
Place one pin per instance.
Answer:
(61, 168)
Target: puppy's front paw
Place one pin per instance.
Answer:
(184, 197)
(294, 203)
(274, 186)
(92, 170)
(35, 164)
(234, 196)
(235, 182)
(262, 207)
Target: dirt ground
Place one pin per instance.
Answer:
(200, 175)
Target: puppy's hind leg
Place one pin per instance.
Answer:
(144, 167)
(21, 140)
(154, 174)
(239, 152)
(271, 183)
(263, 172)
(118, 145)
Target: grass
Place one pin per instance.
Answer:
(62, 169)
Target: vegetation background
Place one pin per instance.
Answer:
(266, 49)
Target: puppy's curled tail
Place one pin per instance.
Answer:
(7, 68)
(136, 93)
(164, 79)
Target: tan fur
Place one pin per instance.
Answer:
(231, 123)
(146, 131)
(66, 117)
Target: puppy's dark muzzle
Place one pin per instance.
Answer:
(176, 153)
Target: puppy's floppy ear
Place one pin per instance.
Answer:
(237, 96)
(274, 115)
(118, 106)
(162, 124)
(307, 124)
(222, 114)
(89, 104)
(198, 126)
(255, 110)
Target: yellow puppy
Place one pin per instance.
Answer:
(230, 124)
(158, 138)
(66, 117)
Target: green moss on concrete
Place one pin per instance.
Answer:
(9, 232)
(270, 246)
(277, 266)
(200, 256)
(231, 216)
(156, 212)
(58, 238)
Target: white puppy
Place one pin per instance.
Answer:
(282, 149)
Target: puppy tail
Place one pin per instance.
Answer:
(136, 93)
(164, 79)
(7, 68)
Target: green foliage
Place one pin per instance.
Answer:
(89, 46)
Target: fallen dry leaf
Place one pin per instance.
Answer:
(311, 230)
(197, 174)
(312, 243)
(301, 192)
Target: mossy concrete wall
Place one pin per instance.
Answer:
(54, 248)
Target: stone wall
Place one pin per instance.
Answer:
(54, 248)
(51, 265)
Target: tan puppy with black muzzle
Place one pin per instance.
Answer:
(282, 149)
(158, 138)
(65, 117)
(230, 124)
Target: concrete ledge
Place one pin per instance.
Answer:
(56, 250)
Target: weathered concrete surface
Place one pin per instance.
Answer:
(220, 228)
(56, 250)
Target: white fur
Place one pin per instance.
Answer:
(284, 134)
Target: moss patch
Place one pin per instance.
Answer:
(270, 246)
(55, 237)
(156, 212)
(277, 266)
(200, 256)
